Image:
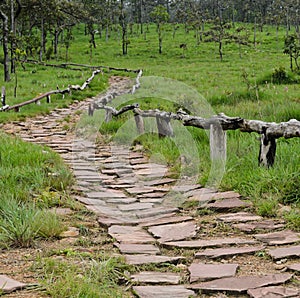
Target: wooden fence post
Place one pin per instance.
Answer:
(164, 127)
(139, 121)
(48, 99)
(267, 150)
(91, 109)
(218, 144)
(108, 115)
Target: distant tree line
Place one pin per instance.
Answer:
(34, 28)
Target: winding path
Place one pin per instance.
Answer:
(220, 248)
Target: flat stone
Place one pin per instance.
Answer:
(152, 195)
(105, 210)
(238, 217)
(139, 190)
(242, 283)
(106, 194)
(8, 285)
(166, 220)
(163, 292)
(207, 195)
(173, 232)
(157, 211)
(152, 200)
(152, 173)
(138, 161)
(135, 206)
(277, 238)
(129, 248)
(228, 251)
(202, 272)
(150, 259)
(259, 225)
(285, 252)
(227, 204)
(294, 267)
(121, 200)
(157, 182)
(106, 222)
(217, 242)
(153, 277)
(129, 234)
(273, 292)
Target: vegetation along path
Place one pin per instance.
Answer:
(213, 245)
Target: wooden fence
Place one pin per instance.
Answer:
(218, 125)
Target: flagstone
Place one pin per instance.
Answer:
(157, 211)
(139, 190)
(129, 234)
(106, 221)
(154, 277)
(178, 291)
(121, 201)
(242, 283)
(157, 182)
(259, 225)
(228, 251)
(285, 252)
(140, 259)
(173, 232)
(8, 285)
(135, 206)
(106, 194)
(132, 248)
(294, 267)
(277, 238)
(227, 204)
(273, 292)
(166, 220)
(202, 272)
(216, 242)
(238, 217)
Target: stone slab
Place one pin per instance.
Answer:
(157, 194)
(203, 272)
(209, 195)
(88, 201)
(140, 190)
(173, 232)
(227, 204)
(166, 220)
(185, 188)
(163, 291)
(8, 285)
(157, 182)
(106, 221)
(121, 200)
(285, 252)
(294, 267)
(228, 251)
(135, 206)
(238, 217)
(217, 242)
(105, 194)
(273, 292)
(129, 248)
(129, 234)
(278, 238)
(140, 259)
(154, 277)
(242, 284)
(259, 225)
(157, 211)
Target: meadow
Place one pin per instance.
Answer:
(253, 82)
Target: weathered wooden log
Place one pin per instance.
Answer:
(3, 96)
(164, 127)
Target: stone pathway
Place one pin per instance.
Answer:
(218, 249)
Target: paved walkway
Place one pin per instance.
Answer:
(218, 248)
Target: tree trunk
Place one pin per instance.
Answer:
(42, 40)
(5, 45)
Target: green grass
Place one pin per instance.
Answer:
(29, 172)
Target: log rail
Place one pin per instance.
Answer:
(269, 131)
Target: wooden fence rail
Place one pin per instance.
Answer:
(218, 125)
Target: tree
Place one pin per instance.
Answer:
(292, 48)
(160, 16)
(123, 23)
(5, 32)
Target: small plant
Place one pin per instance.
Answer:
(279, 75)
(267, 207)
(293, 220)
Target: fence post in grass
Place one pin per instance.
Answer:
(108, 115)
(91, 109)
(267, 150)
(3, 96)
(48, 99)
(218, 144)
(139, 121)
(164, 127)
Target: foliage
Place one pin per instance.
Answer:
(292, 48)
